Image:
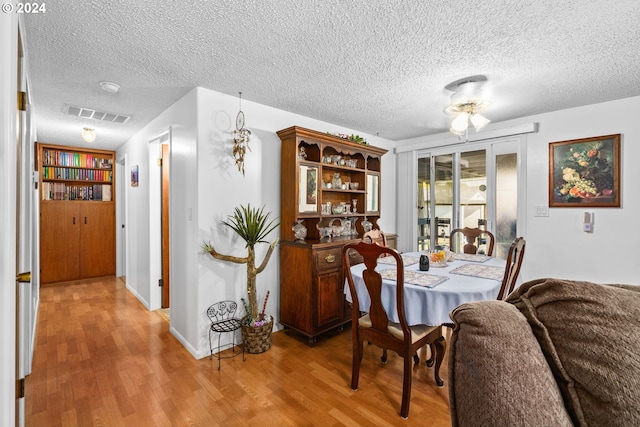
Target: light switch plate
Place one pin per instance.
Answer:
(542, 211)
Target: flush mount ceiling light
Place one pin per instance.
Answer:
(110, 87)
(88, 134)
(465, 102)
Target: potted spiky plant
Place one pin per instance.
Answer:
(253, 226)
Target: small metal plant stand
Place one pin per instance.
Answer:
(223, 320)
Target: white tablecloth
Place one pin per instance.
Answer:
(430, 306)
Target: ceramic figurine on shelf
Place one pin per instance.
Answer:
(337, 180)
(347, 227)
(299, 230)
(325, 232)
(336, 230)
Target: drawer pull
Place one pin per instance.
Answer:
(353, 254)
(330, 258)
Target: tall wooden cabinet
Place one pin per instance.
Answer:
(77, 213)
(311, 275)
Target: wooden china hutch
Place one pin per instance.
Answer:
(329, 185)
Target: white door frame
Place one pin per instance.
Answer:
(8, 193)
(121, 216)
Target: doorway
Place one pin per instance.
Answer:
(159, 221)
(164, 166)
(121, 218)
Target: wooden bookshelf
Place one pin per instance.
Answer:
(77, 213)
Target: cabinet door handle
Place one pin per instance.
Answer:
(74, 220)
(330, 258)
(85, 219)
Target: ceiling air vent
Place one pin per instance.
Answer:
(89, 113)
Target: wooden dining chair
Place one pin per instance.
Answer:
(512, 268)
(375, 327)
(471, 235)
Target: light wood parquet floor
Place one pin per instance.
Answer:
(102, 359)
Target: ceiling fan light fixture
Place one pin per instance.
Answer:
(465, 102)
(460, 124)
(479, 121)
(88, 134)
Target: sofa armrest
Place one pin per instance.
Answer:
(497, 372)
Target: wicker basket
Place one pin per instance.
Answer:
(257, 339)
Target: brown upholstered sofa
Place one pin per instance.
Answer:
(555, 353)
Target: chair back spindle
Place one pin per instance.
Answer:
(469, 244)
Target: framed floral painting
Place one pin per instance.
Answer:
(585, 172)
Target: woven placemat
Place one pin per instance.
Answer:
(415, 278)
(472, 257)
(406, 260)
(477, 270)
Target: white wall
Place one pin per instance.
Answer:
(556, 245)
(205, 188)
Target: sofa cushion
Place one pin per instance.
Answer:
(590, 336)
(497, 374)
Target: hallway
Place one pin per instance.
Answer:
(102, 359)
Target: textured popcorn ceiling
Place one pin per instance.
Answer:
(377, 66)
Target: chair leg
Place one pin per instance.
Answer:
(440, 345)
(358, 349)
(432, 356)
(219, 335)
(210, 346)
(406, 388)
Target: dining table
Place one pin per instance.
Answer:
(430, 295)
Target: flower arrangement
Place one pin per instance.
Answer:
(253, 225)
(353, 138)
(585, 172)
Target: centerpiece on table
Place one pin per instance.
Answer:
(253, 225)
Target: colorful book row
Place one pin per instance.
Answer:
(62, 191)
(50, 172)
(83, 160)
